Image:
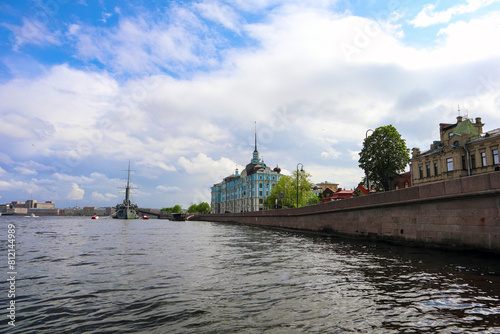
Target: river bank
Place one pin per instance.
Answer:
(460, 214)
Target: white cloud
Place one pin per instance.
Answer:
(154, 160)
(354, 155)
(63, 95)
(76, 193)
(189, 131)
(31, 168)
(168, 189)
(13, 185)
(32, 32)
(469, 41)
(429, 16)
(203, 164)
(220, 13)
(103, 198)
(25, 171)
(171, 42)
(72, 178)
(330, 153)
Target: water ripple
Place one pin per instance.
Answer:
(183, 277)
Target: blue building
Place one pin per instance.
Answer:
(246, 191)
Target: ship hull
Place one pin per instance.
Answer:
(126, 213)
(127, 210)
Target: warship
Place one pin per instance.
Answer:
(127, 210)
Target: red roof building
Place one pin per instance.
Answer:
(401, 181)
(330, 195)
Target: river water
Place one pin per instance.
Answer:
(77, 275)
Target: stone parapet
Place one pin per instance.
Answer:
(461, 213)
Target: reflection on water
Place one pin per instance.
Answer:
(77, 275)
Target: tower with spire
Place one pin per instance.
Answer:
(255, 157)
(245, 191)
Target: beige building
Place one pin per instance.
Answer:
(325, 185)
(89, 210)
(462, 150)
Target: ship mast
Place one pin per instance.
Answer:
(127, 189)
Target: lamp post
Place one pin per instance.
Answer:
(301, 169)
(366, 171)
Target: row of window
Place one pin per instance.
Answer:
(451, 167)
(251, 178)
(238, 193)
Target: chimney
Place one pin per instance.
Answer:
(459, 119)
(415, 152)
(478, 120)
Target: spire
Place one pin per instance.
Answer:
(255, 137)
(255, 157)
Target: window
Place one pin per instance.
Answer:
(473, 161)
(421, 172)
(464, 165)
(449, 164)
(496, 160)
(428, 167)
(483, 159)
(435, 169)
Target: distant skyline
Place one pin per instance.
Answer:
(176, 86)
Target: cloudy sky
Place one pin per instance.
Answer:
(176, 86)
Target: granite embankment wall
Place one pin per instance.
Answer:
(461, 213)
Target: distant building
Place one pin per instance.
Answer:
(400, 181)
(335, 195)
(29, 207)
(44, 212)
(317, 189)
(246, 191)
(89, 210)
(463, 150)
(46, 205)
(326, 184)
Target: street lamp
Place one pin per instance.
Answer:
(366, 171)
(301, 169)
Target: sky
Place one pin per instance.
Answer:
(177, 87)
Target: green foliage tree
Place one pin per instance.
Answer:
(357, 193)
(287, 185)
(175, 209)
(203, 207)
(384, 155)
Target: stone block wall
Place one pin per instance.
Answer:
(461, 213)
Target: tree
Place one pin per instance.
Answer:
(204, 207)
(199, 208)
(175, 209)
(357, 193)
(384, 155)
(287, 185)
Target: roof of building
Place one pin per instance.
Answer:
(466, 128)
(487, 135)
